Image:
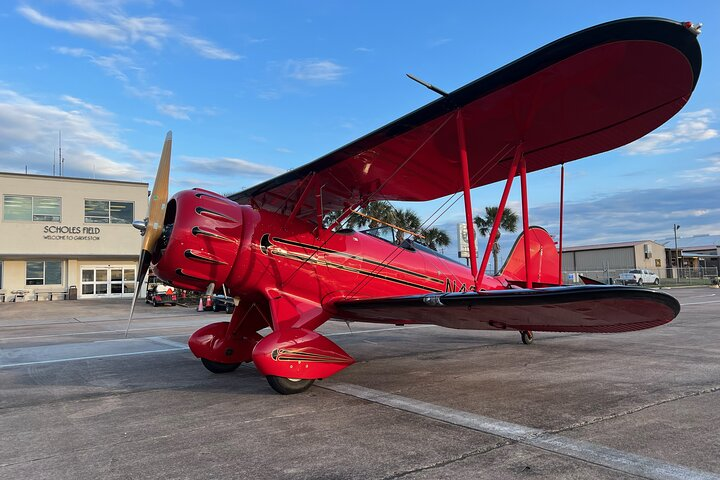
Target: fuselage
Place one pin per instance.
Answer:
(251, 251)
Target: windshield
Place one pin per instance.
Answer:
(386, 233)
(635, 271)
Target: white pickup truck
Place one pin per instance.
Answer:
(639, 277)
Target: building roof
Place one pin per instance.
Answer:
(696, 242)
(604, 246)
(71, 179)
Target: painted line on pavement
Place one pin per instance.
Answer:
(699, 303)
(596, 454)
(98, 332)
(53, 335)
(396, 329)
(167, 342)
(176, 346)
(92, 357)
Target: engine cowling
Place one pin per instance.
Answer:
(201, 240)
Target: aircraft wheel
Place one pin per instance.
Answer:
(217, 367)
(289, 386)
(657, 281)
(527, 336)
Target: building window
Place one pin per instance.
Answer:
(31, 209)
(104, 211)
(39, 272)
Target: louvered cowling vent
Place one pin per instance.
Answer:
(200, 241)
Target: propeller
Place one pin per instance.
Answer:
(153, 225)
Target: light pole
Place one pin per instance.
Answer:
(677, 256)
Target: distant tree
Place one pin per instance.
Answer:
(383, 212)
(434, 238)
(408, 220)
(508, 222)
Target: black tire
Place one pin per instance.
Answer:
(217, 367)
(527, 336)
(215, 307)
(640, 282)
(155, 304)
(289, 386)
(657, 281)
(229, 308)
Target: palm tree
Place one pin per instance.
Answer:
(407, 219)
(381, 210)
(434, 238)
(508, 222)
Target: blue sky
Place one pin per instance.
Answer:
(252, 89)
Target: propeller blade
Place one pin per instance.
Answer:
(143, 266)
(155, 221)
(158, 198)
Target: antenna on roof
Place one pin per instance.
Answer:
(61, 160)
(54, 153)
(428, 85)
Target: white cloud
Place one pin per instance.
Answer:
(110, 25)
(440, 41)
(690, 127)
(29, 136)
(231, 166)
(152, 123)
(314, 70)
(73, 52)
(96, 30)
(209, 50)
(114, 65)
(151, 92)
(179, 112)
(97, 110)
(633, 215)
(709, 173)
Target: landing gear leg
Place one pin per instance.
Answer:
(289, 386)
(527, 336)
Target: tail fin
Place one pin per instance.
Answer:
(544, 260)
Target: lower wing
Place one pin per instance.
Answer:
(589, 308)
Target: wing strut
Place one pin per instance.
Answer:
(501, 208)
(466, 194)
(526, 222)
(562, 197)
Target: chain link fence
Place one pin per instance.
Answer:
(653, 276)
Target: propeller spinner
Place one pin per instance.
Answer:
(155, 221)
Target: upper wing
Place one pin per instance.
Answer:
(586, 93)
(591, 308)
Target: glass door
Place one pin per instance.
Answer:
(101, 282)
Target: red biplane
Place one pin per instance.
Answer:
(270, 248)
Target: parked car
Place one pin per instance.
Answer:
(161, 295)
(639, 277)
(221, 302)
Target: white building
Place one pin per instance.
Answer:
(604, 262)
(59, 235)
